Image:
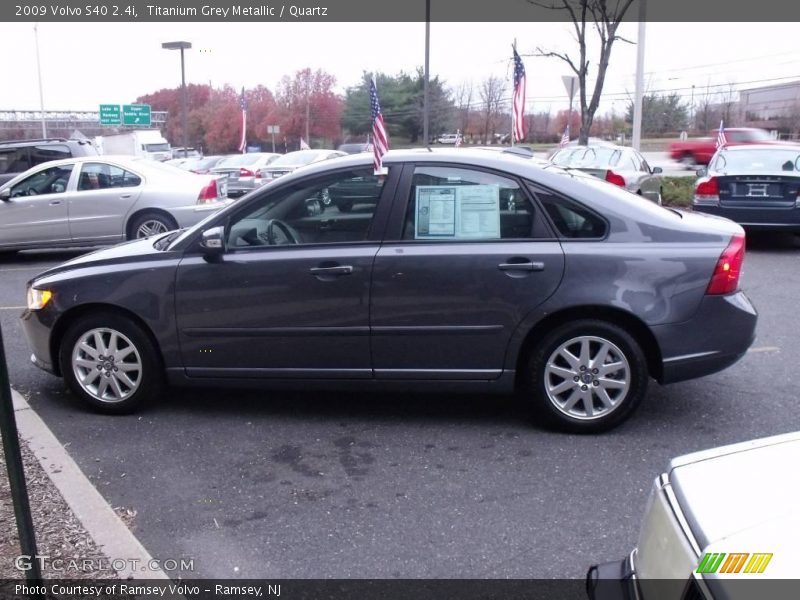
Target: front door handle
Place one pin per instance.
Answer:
(124, 196)
(55, 202)
(521, 266)
(333, 270)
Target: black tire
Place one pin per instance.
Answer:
(159, 221)
(538, 377)
(148, 377)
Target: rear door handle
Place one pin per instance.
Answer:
(126, 195)
(55, 203)
(337, 270)
(521, 266)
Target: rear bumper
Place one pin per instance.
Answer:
(612, 581)
(787, 219)
(186, 216)
(717, 336)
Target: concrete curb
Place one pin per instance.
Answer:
(91, 509)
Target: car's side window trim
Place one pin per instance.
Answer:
(394, 231)
(534, 188)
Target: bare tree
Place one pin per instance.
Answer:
(604, 16)
(462, 97)
(492, 91)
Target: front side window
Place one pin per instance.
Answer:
(335, 209)
(455, 204)
(102, 176)
(47, 181)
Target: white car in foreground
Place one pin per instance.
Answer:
(102, 200)
(721, 523)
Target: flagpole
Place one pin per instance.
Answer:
(426, 108)
(514, 46)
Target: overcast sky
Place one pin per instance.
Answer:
(84, 65)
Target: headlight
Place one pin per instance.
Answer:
(38, 299)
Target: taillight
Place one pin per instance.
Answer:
(245, 172)
(706, 192)
(209, 193)
(729, 266)
(614, 178)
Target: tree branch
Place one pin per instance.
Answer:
(549, 54)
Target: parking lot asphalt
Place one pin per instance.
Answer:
(291, 485)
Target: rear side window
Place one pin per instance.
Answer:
(14, 160)
(41, 154)
(571, 219)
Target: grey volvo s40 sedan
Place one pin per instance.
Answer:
(458, 270)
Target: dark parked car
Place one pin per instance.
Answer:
(459, 270)
(756, 186)
(20, 155)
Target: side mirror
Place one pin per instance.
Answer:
(701, 172)
(656, 170)
(5, 195)
(213, 241)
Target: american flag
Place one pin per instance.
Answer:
(721, 141)
(519, 98)
(243, 140)
(380, 140)
(564, 137)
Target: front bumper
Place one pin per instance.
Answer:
(37, 325)
(718, 335)
(613, 581)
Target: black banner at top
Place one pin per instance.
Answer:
(386, 11)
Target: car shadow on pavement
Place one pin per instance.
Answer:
(373, 406)
(772, 241)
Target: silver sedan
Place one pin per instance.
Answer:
(619, 165)
(101, 200)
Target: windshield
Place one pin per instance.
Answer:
(758, 161)
(301, 157)
(598, 157)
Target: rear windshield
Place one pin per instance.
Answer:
(239, 160)
(587, 157)
(301, 157)
(758, 161)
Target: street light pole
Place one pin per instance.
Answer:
(39, 73)
(425, 107)
(184, 108)
(638, 99)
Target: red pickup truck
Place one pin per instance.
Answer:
(700, 150)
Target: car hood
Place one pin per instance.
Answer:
(743, 499)
(125, 252)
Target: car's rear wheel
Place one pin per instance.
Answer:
(110, 363)
(586, 376)
(149, 224)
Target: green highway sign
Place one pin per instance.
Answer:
(110, 114)
(136, 114)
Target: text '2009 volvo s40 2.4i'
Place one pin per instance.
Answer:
(458, 270)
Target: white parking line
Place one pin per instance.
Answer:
(765, 349)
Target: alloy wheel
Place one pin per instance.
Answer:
(107, 365)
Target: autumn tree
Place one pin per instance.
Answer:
(169, 99)
(603, 17)
(307, 104)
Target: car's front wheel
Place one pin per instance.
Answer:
(110, 363)
(149, 224)
(586, 376)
